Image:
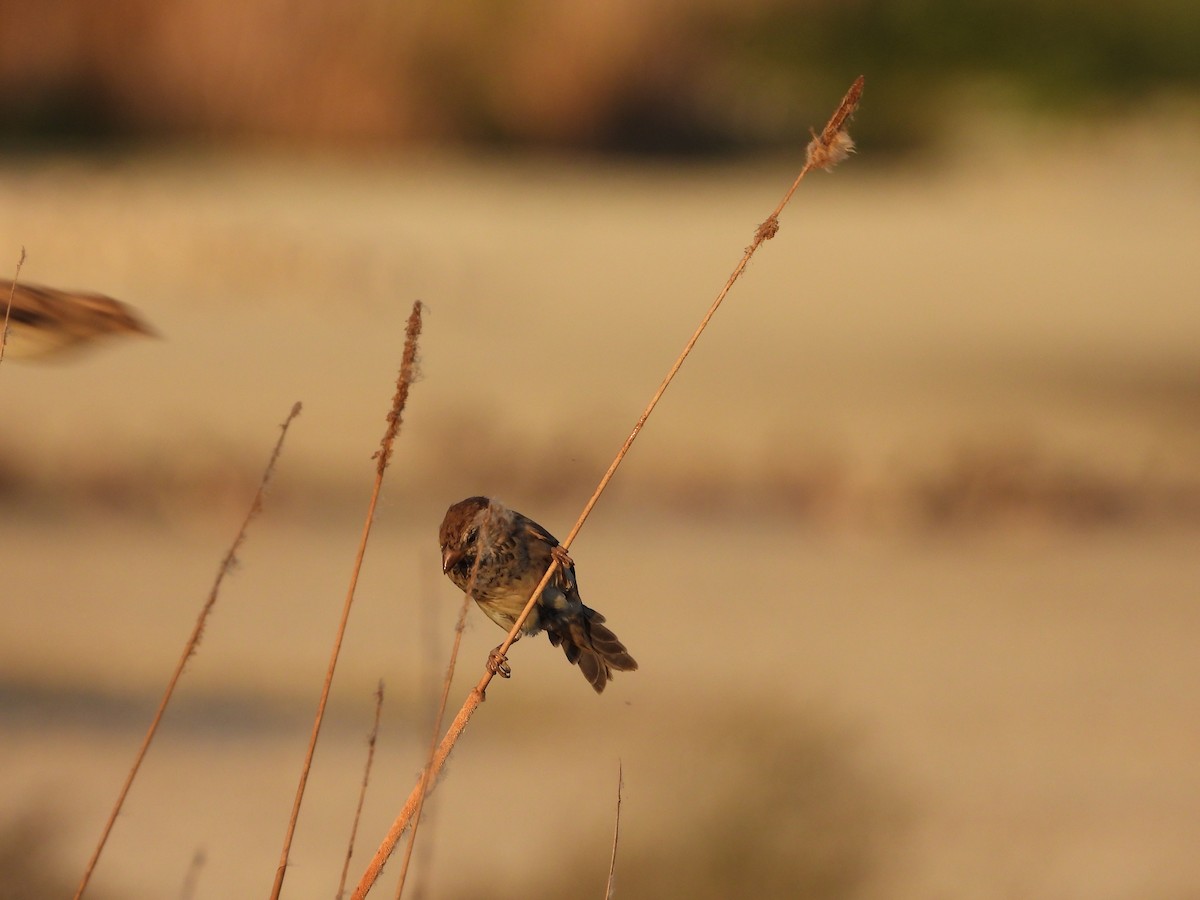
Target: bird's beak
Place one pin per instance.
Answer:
(450, 558)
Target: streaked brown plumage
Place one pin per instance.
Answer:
(513, 553)
(44, 321)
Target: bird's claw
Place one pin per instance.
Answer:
(498, 665)
(559, 552)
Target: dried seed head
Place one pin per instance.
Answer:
(827, 154)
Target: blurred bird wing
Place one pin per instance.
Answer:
(46, 321)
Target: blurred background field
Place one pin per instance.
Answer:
(909, 554)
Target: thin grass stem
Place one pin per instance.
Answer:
(408, 367)
(189, 648)
(823, 152)
(12, 291)
(362, 791)
(611, 885)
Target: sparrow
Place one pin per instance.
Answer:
(43, 321)
(499, 556)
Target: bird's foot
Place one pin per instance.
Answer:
(497, 664)
(559, 552)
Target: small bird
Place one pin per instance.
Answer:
(499, 556)
(44, 321)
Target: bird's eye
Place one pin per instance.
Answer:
(471, 535)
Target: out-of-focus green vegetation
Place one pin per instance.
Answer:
(668, 78)
(928, 58)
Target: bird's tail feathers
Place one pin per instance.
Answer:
(592, 646)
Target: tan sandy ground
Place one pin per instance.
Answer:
(991, 695)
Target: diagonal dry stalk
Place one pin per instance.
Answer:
(824, 151)
(437, 728)
(362, 791)
(12, 291)
(408, 368)
(188, 649)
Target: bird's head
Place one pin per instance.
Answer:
(460, 530)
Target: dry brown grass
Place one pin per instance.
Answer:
(973, 486)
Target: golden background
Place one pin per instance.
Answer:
(908, 555)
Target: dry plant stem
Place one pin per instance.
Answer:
(765, 231)
(426, 786)
(408, 367)
(189, 648)
(362, 791)
(610, 887)
(8, 308)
